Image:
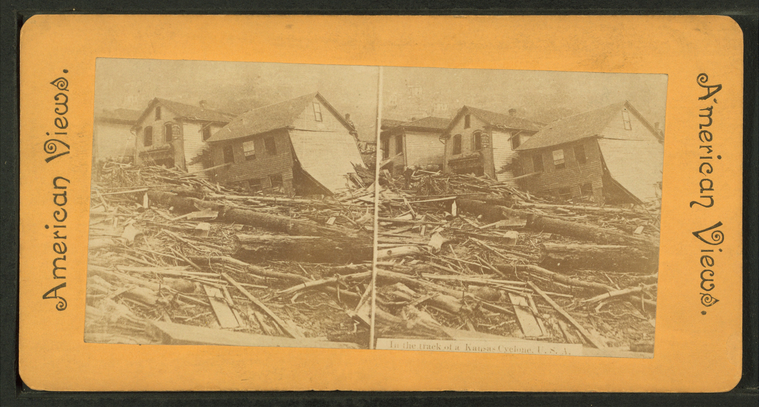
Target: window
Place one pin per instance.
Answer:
(158, 112)
(477, 141)
(385, 148)
(398, 144)
(580, 154)
(565, 193)
(457, 144)
(537, 163)
(229, 154)
(515, 142)
(148, 136)
(206, 133)
(167, 131)
(626, 119)
(317, 112)
(276, 181)
(255, 184)
(270, 145)
(467, 121)
(249, 150)
(558, 159)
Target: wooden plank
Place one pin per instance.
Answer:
(178, 334)
(565, 314)
(263, 307)
(527, 321)
(223, 313)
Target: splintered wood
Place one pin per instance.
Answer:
(176, 259)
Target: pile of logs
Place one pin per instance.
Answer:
(175, 259)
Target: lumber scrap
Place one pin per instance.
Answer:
(595, 342)
(526, 320)
(223, 313)
(282, 324)
(600, 257)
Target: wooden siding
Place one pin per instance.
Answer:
(112, 140)
(572, 176)
(159, 136)
(502, 154)
(633, 157)
(263, 166)
(193, 143)
(467, 143)
(423, 148)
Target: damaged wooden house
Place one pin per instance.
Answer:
(301, 145)
(173, 134)
(412, 144)
(611, 154)
(112, 136)
(481, 142)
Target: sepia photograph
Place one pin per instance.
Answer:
(232, 203)
(519, 211)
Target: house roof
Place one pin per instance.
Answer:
(499, 120)
(579, 126)
(126, 116)
(272, 117)
(431, 123)
(185, 111)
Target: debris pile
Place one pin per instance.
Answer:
(176, 259)
(465, 257)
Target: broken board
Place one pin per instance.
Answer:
(220, 307)
(527, 321)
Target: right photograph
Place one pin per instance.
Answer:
(519, 211)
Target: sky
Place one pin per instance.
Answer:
(542, 96)
(237, 87)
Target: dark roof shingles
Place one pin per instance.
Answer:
(504, 120)
(194, 112)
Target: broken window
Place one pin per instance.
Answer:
(398, 144)
(148, 136)
(168, 132)
(477, 141)
(457, 144)
(467, 121)
(537, 163)
(626, 119)
(580, 154)
(385, 148)
(158, 112)
(515, 142)
(317, 112)
(229, 154)
(276, 181)
(270, 145)
(206, 133)
(558, 159)
(249, 150)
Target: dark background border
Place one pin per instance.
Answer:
(14, 13)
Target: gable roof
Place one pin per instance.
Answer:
(272, 117)
(430, 123)
(498, 120)
(185, 111)
(580, 126)
(125, 116)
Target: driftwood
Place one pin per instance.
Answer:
(618, 293)
(599, 257)
(584, 232)
(490, 213)
(557, 307)
(314, 249)
(557, 277)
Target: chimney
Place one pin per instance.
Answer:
(203, 104)
(512, 112)
(347, 117)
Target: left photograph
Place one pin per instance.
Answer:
(232, 203)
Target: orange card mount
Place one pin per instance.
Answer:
(198, 212)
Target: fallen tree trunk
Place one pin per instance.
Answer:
(599, 257)
(584, 232)
(585, 208)
(555, 276)
(489, 212)
(313, 249)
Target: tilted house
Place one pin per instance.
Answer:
(484, 143)
(112, 136)
(414, 143)
(609, 154)
(300, 145)
(174, 134)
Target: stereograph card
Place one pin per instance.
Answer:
(380, 203)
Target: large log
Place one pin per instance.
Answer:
(313, 249)
(490, 212)
(584, 232)
(599, 257)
